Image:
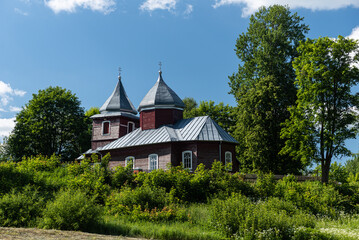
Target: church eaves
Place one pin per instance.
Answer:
(161, 96)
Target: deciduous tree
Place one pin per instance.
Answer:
(325, 113)
(51, 122)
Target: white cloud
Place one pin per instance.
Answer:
(104, 6)
(250, 6)
(355, 33)
(6, 126)
(189, 9)
(6, 93)
(151, 5)
(18, 11)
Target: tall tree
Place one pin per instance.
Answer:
(264, 89)
(325, 113)
(52, 122)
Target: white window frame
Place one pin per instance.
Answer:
(109, 128)
(128, 159)
(128, 126)
(149, 161)
(183, 160)
(228, 164)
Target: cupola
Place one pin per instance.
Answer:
(117, 118)
(160, 106)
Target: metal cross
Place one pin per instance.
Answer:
(119, 71)
(160, 64)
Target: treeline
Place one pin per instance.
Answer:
(174, 204)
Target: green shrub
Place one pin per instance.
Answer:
(146, 197)
(122, 176)
(273, 219)
(12, 178)
(265, 185)
(70, 210)
(21, 209)
(39, 163)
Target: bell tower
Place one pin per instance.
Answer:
(117, 118)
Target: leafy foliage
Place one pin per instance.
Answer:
(323, 116)
(51, 123)
(263, 88)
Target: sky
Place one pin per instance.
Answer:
(79, 45)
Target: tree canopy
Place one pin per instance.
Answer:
(325, 113)
(264, 89)
(52, 122)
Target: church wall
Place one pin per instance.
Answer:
(155, 118)
(141, 154)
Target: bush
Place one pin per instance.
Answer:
(21, 209)
(39, 163)
(122, 176)
(146, 197)
(274, 219)
(70, 210)
(12, 178)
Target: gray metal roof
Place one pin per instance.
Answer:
(118, 101)
(194, 129)
(161, 96)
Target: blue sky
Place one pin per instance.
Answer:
(79, 45)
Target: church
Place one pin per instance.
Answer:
(159, 136)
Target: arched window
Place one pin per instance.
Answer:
(228, 161)
(187, 160)
(130, 127)
(130, 160)
(105, 127)
(152, 162)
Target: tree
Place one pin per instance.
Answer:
(51, 122)
(324, 115)
(264, 89)
(220, 113)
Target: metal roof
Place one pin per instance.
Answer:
(194, 129)
(118, 101)
(161, 96)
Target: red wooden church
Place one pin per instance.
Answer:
(160, 135)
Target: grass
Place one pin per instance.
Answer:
(346, 227)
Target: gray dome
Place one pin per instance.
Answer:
(118, 101)
(161, 96)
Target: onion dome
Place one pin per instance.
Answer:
(161, 96)
(118, 101)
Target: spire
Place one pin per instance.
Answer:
(161, 96)
(118, 101)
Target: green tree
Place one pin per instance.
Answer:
(190, 107)
(263, 88)
(51, 122)
(324, 115)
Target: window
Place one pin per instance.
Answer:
(153, 162)
(130, 160)
(130, 127)
(228, 159)
(105, 127)
(187, 159)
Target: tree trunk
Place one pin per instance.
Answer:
(325, 170)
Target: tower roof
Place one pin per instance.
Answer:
(118, 101)
(161, 96)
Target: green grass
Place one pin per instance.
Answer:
(346, 227)
(166, 230)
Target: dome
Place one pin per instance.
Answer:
(161, 96)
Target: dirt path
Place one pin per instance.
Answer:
(41, 234)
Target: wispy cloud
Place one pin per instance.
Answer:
(250, 6)
(6, 126)
(104, 6)
(7, 94)
(151, 5)
(19, 11)
(189, 10)
(14, 109)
